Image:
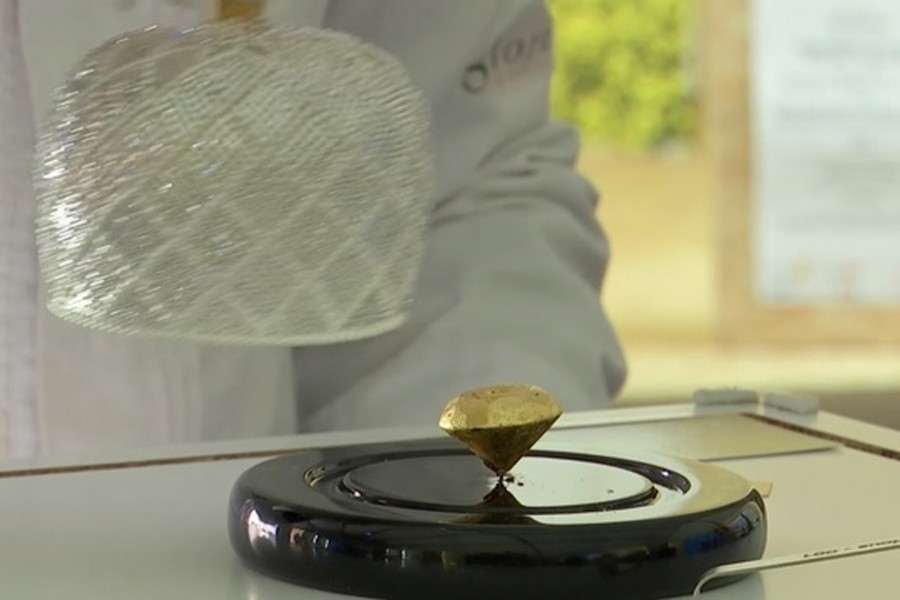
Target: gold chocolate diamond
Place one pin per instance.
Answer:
(499, 424)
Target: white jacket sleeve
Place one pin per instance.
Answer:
(510, 287)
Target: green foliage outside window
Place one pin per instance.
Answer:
(621, 75)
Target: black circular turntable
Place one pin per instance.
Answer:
(429, 520)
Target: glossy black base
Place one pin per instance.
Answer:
(430, 521)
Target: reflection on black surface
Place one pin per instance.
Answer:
(540, 484)
(500, 497)
(742, 525)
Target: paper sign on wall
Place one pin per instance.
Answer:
(825, 80)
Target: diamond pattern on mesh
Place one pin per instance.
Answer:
(234, 183)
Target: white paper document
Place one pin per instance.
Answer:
(825, 85)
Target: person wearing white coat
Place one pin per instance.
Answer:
(509, 286)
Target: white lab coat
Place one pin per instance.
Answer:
(509, 287)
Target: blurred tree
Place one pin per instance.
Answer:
(621, 76)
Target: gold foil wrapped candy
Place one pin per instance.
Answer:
(499, 424)
(234, 183)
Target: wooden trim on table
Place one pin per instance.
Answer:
(275, 452)
(831, 437)
(156, 462)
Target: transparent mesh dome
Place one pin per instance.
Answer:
(234, 183)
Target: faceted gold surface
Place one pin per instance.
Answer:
(499, 424)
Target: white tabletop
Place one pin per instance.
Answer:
(157, 530)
